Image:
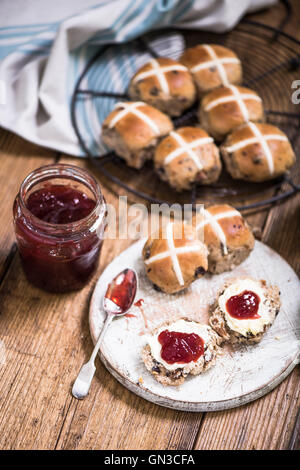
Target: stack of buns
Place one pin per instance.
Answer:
(229, 114)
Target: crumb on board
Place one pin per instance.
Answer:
(141, 380)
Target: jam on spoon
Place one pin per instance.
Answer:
(243, 306)
(121, 292)
(119, 297)
(179, 347)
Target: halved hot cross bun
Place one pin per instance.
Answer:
(187, 156)
(257, 152)
(174, 257)
(165, 84)
(244, 309)
(212, 66)
(224, 109)
(180, 348)
(133, 129)
(226, 234)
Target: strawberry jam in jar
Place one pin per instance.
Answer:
(59, 219)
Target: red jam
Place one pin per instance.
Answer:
(181, 348)
(59, 204)
(139, 303)
(243, 306)
(122, 290)
(59, 229)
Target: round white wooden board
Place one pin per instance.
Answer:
(240, 375)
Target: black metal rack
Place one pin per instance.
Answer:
(285, 62)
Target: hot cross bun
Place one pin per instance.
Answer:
(257, 152)
(174, 257)
(187, 156)
(224, 109)
(245, 308)
(212, 66)
(165, 84)
(133, 129)
(227, 236)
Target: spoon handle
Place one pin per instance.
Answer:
(84, 379)
(106, 324)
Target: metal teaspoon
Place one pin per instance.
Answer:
(118, 299)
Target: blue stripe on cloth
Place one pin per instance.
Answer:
(184, 7)
(27, 27)
(20, 34)
(13, 38)
(165, 5)
(111, 33)
(26, 43)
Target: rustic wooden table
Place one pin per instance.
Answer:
(46, 339)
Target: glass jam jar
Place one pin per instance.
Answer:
(59, 219)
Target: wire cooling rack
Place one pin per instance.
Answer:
(270, 59)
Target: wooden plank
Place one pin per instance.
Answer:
(265, 424)
(18, 158)
(35, 380)
(41, 362)
(294, 443)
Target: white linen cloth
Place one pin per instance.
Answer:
(45, 44)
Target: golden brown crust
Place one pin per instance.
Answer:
(159, 372)
(235, 227)
(225, 117)
(218, 320)
(181, 94)
(131, 137)
(192, 264)
(209, 78)
(249, 162)
(239, 239)
(182, 172)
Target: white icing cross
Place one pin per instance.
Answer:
(235, 96)
(261, 139)
(172, 253)
(216, 62)
(159, 72)
(212, 220)
(127, 108)
(188, 148)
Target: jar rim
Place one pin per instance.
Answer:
(66, 171)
